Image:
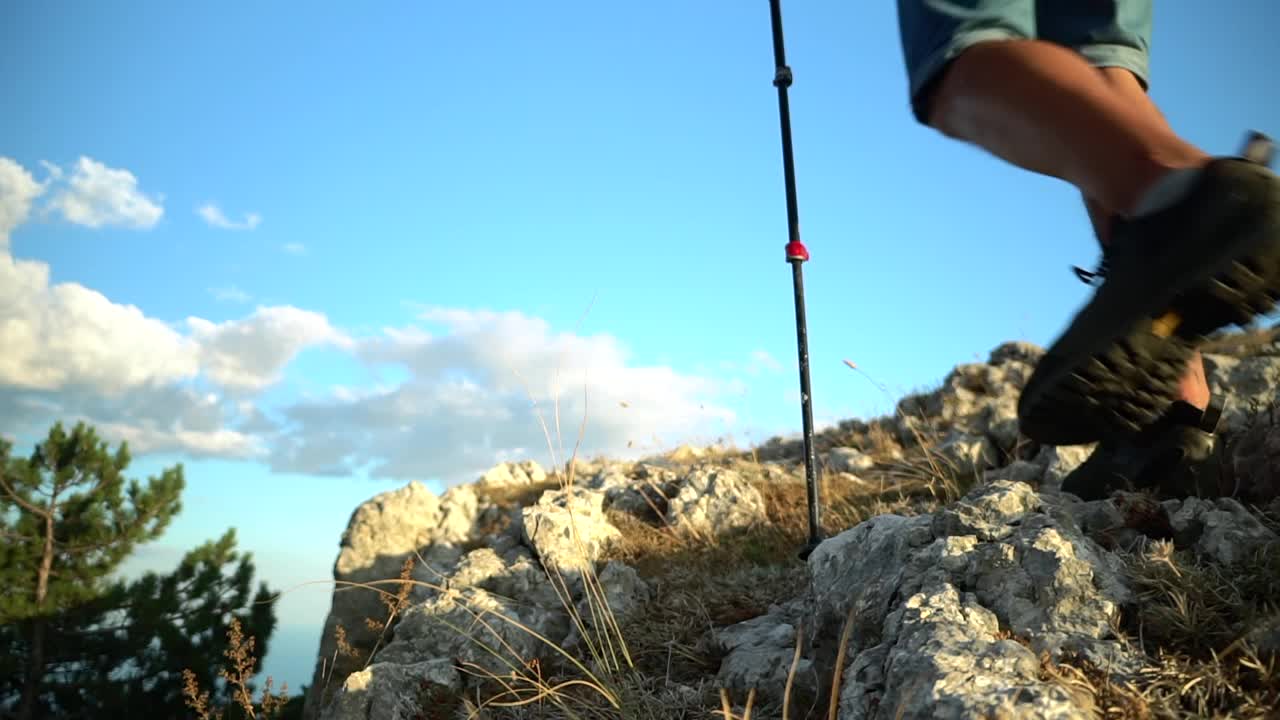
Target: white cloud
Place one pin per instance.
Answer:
(294, 248)
(17, 191)
(70, 353)
(151, 418)
(446, 397)
(62, 334)
(469, 401)
(213, 215)
(249, 354)
(230, 293)
(762, 361)
(96, 195)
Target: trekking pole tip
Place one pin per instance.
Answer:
(808, 549)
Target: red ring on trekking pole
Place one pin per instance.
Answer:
(797, 251)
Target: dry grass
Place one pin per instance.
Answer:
(658, 663)
(238, 674)
(1193, 619)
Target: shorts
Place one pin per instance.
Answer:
(1108, 33)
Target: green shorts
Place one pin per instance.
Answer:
(1108, 33)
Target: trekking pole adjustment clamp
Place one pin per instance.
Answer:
(783, 77)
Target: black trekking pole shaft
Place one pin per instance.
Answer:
(797, 254)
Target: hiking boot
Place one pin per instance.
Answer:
(1177, 457)
(1171, 278)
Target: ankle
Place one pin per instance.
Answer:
(1159, 180)
(1195, 394)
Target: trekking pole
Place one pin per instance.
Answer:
(796, 255)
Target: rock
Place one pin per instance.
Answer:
(687, 454)
(946, 659)
(966, 454)
(568, 528)
(1265, 637)
(581, 468)
(459, 507)
(933, 599)
(1250, 384)
(510, 474)
(624, 590)
(1223, 529)
(949, 613)
(1046, 470)
(1001, 422)
(1252, 471)
(386, 691)
(608, 479)
(493, 612)
(975, 399)
(849, 460)
(624, 593)
(1018, 351)
(381, 534)
(759, 654)
(713, 501)
(1059, 462)
(1021, 471)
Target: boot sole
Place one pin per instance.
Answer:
(1127, 382)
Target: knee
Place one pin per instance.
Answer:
(962, 77)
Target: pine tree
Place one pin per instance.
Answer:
(122, 656)
(69, 519)
(73, 642)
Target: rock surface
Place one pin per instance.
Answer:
(949, 612)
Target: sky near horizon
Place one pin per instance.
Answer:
(314, 255)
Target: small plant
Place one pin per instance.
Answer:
(237, 675)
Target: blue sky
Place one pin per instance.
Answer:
(315, 253)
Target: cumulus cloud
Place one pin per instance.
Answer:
(17, 191)
(63, 334)
(152, 418)
(95, 195)
(474, 394)
(294, 248)
(70, 353)
(468, 387)
(213, 215)
(249, 354)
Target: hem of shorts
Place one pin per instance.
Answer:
(926, 72)
(1099, 55)
(1122, 56)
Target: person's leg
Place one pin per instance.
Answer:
(1198, 243)
(1194, 387)
(1045, 108)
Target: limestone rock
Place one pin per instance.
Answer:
(975, 399)
(714, 501)
(568, 528)
(849, 460)
(511, 474)
(932, 601)
(1222, 529)
(381, 534)
(386, 691)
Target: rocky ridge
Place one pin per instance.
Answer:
(957, 581)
